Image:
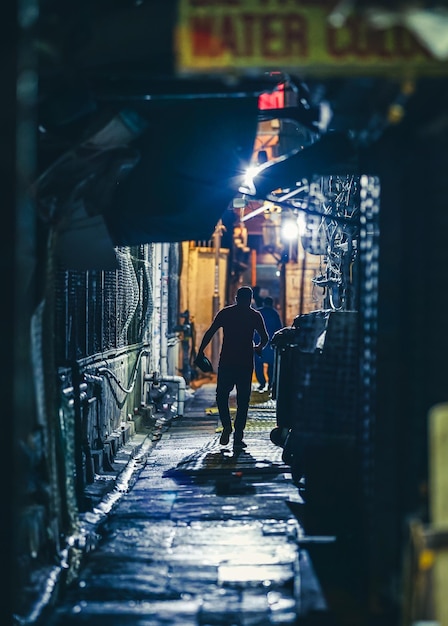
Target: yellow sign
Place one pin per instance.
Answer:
(291, 35)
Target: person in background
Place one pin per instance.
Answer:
(257, 297)
(273, 323)
(239, 322)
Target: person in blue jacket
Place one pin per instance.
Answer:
(273, 323)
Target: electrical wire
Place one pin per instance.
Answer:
(109, 372)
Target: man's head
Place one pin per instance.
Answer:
(268, 301)
(244, 296)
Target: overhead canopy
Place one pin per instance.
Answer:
(328, 155)
(152, 172)
(192, 159)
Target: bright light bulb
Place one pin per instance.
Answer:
(248, 180)
(290, 230)
(249, 174)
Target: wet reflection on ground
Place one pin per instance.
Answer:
(205, 536)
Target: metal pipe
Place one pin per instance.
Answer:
(157, 391)
(165, 269)
(181, 387)
(69, 390)
(91, 378)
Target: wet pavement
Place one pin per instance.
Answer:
(198, 535)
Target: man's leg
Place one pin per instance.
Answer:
(259, 371)
(270, 375)
(243, 390)
(224, 385)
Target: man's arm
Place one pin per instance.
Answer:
(264, 337)
(208, 335)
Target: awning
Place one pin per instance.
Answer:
(163, 172)
(332, 153)
(192, 161)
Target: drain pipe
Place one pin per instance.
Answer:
(165, 272)
(181, 387)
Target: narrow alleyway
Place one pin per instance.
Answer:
(201, 537)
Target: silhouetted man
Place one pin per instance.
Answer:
(236, 361)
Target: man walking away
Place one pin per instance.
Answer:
(236, 361)
(273, 323)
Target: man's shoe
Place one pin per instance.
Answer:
(261, 387)
(225, 436)
(239, 445)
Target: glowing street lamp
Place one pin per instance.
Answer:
(290, 230)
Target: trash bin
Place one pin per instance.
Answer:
(317, 373)
(317, 399)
